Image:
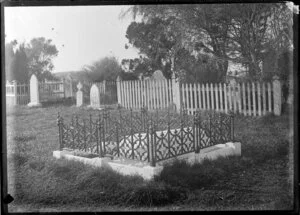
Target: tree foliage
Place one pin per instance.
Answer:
(107, 68)
(16, 67)
(243, 35)
(40, 53)
(23, 60)
(157, 47)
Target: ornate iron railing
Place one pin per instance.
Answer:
(145, 136)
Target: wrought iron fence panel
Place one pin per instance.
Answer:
(205, 140)
(188, 140)
(144, 136)
(140, 149)
(163, 149)
(226, 128)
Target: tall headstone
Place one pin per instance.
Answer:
(79, 95)
(34, 92)
(95, 96)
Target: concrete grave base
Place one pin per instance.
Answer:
(94, 107)
(132, 167)
(34, 104)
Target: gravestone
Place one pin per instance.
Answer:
(158, 75)
(95, 96)
(34, 92)
(79, 95)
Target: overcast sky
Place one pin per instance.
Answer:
(82, 34)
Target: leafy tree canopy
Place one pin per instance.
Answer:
(107, 68)
(242, 36)
(23, 60)
(40, 52)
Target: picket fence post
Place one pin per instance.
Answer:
(277, 93)
(176, 92)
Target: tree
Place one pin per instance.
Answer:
(154, 43)
(187, 27)
(241, 36)
(107, 68)
(16, 62)
(40, 53)
(20, 71)
(9, 59)
(158, 46)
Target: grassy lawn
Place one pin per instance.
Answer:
(261, 179)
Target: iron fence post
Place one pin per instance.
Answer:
(84, 135)
(169, 131)
(197, 138)
(60, 132)
(181, 130)
(131, 135)
(100, 135)
(97, 135)
(117, 138)
(72, 133)
(91, 130)
(78, 130)
(220, 124)
(152, 145)
(209, 126)
(232, 127)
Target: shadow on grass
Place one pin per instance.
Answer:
(65, 102)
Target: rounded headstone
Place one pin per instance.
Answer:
(95, 96)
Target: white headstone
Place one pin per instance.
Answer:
(79, 95)
(158, 75)
(95, 96)
(34, 92)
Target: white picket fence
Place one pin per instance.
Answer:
(154, 94)
(253, 98)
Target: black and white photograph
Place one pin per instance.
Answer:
(149, 107)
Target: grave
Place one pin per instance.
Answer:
(34, 92)
(79, 95)
(95, 96)
(158, 75)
